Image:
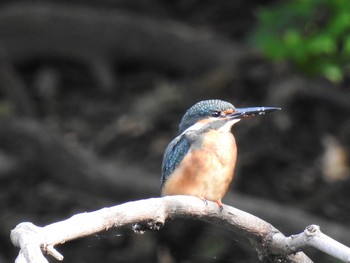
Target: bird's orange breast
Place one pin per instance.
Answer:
(207, 170)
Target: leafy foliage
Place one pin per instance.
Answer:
(313, 34)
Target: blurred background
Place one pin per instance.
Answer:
(91, 92)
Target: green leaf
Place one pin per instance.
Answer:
(322, 44)
(332, 72)
(347, 45)
(313, 34)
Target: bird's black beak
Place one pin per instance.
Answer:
(251, 111)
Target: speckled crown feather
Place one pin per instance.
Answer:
(202, 109)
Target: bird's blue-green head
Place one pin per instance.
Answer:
(218, 110)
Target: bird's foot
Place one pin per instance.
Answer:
(218, 202)
(205, 201)
(219, 205)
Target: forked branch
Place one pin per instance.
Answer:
(152, 214)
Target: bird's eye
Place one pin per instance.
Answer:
(216, 114)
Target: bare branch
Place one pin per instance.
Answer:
(151, 214)
(27, 236)
(312, 236)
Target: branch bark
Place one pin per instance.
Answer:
(152, 214)
(312, 236)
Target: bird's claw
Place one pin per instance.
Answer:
(219, 205)
(205, 201)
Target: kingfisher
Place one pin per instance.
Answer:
(201, 160)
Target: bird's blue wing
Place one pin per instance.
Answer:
(173, 155)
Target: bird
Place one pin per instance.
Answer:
(201, 160)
